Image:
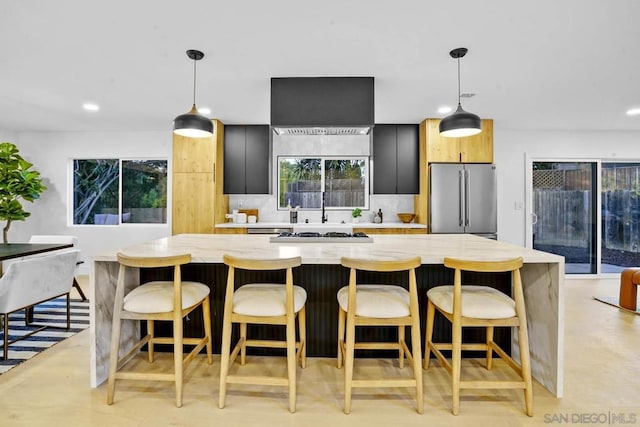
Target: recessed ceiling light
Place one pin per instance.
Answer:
(633, 112)
(90, 107)
(204, 110)
(444, 110)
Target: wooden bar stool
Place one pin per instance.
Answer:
(472, 305)
(158, 300)
(379, 305)
(266, 304)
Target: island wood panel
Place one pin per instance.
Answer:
(322, 282)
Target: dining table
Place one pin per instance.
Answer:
(18, 250)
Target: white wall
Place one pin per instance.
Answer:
(8, 136)
(510, 151)
(51, 152)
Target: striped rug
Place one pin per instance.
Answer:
(47, 313)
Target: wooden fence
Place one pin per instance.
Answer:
(340, 192)
(563, 217)
(562, 198)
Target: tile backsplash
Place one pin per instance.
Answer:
(267, 205)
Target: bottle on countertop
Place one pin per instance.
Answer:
(380, 214)
(377, 218)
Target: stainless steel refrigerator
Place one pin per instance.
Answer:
(463, 199)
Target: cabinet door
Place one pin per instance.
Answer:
(234, 159)
(478, 148)
(440, 149)
(193, 203)
(384, 159)
(257, 159)
(472, 149)
(193, 154)
(408, 159)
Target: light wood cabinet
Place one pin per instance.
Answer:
(198, 202)
(472, 149)
(193, 154)
(436, 149)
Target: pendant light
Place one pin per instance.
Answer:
(460, 123)
(192, 124)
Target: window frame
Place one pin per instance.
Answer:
(120, 160)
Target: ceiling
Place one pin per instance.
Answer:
(547, 64)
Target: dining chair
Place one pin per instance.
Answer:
(30, 281)
(158, 300)
(60, 238)
(388, 304)
(472, 305)
(263, 304)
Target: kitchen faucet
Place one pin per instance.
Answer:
(324, 217)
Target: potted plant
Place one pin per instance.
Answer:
(356, 213)
(18, 182)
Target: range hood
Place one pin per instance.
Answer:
(322, 105)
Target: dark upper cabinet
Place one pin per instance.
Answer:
(396, 168)
(246, 159)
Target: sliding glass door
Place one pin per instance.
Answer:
(586, 211)
(564, 214)
(620, 194)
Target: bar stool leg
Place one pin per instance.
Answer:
(431, 312)
(489, 341)
(302, 333)
(178, 357)
(243, 340)
(292, 362)
(224, 359)
(150, 347)
(348, 361)
(456, 361)
(206, 318)
(401, 333)
(417, 359)
(342, 318)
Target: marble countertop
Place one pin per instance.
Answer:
(328, 225)
(432, 248)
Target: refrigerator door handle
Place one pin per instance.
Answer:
(466, 197)
(460, 197)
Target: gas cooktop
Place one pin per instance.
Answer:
(315, 237)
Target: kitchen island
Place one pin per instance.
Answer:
(321, 275)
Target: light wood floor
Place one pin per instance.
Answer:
(602, 366)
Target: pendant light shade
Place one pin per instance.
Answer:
(460, 123)
(193, 124)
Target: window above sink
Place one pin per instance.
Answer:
(344, 180)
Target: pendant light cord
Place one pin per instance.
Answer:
(458, 81)
(194, 81)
